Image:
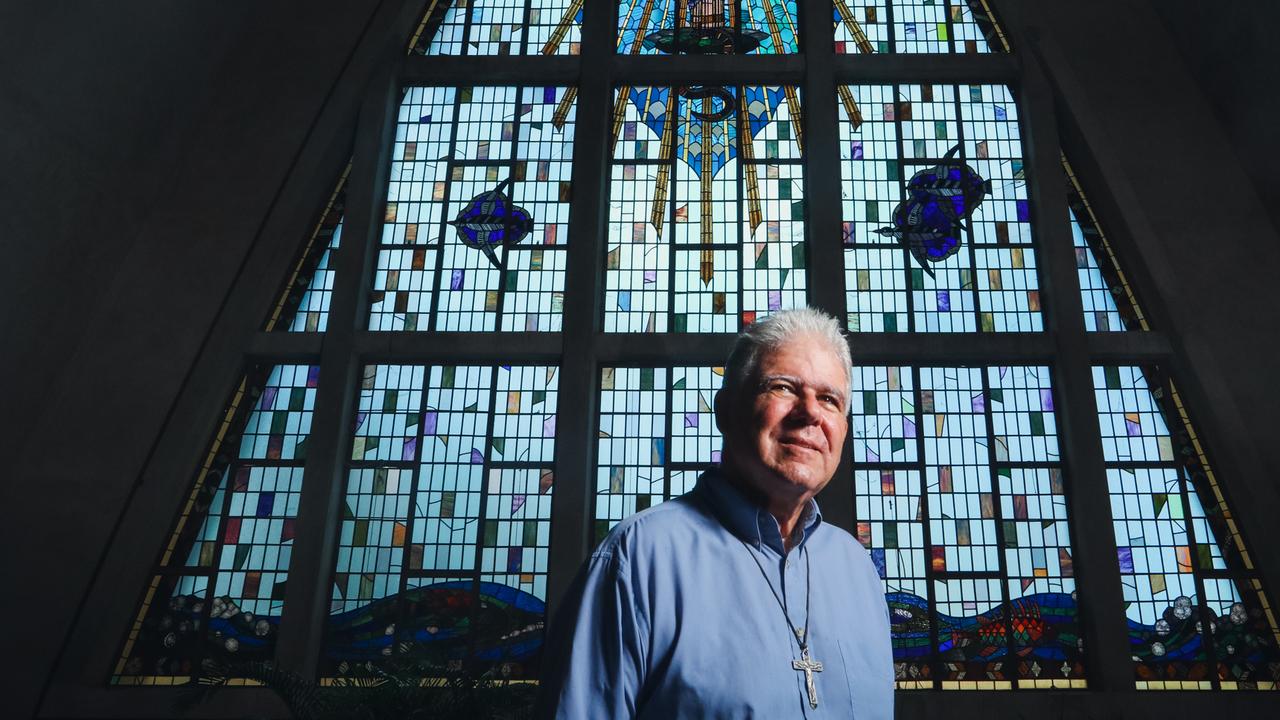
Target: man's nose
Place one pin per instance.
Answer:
(807, 408)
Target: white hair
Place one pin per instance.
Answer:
(776, 330)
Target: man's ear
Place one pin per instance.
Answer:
(721, 405)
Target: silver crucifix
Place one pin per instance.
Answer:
(809, 667)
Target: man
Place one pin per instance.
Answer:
(735, 600)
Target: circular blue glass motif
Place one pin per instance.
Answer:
(490, 220)
(939, 201)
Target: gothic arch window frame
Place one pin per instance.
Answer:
(365, 108)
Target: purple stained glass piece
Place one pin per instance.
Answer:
(549, 426)
(517, 502)
(1134, 429)
(515, 557)
(410, 449)
(266, 501)
(269, 398)
(979, 402)
(691, 420)
(455, 280)
(549, 95)
(715, 456)
(856, 150)
(477, 457)
(1046, 400)
(1125, 555)
(425, 118)
(313, 376)
(944, 301)
(1001, 113)
(908, 428)
(360, 420)
(650, 277)
(1024, 211)
(775, 299)
(872, 455)
(429, 422)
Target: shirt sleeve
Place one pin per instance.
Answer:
(593, 664)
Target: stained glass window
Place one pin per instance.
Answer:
(960, 497)
(442, 546)
(706, 212)
(304, 306)
(218, 589)
(1198, 617)
(657, 434)
(707, 27)
(917, 26)
(1109, 302)
(888, 135)
(477, 211)
(500, 27)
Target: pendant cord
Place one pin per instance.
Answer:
(802, 636)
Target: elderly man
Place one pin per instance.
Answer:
(736, 600)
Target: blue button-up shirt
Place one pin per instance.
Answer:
(672, 617)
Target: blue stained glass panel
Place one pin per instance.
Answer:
(501, 27)
(442, 550)
(888, 133)
(1183, 563)
(916, 26)
(477, 211)
(706, 209)
(657, 434)
(219, 588)
(961, 502)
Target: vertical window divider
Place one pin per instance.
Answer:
(824, 264)
(307, 596)
(1102, 609)
(579, 399)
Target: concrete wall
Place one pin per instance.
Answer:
(141, 146)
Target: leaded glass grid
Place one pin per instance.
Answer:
(502, 156)
(304, 305)
(917, 26)
(442, 546)
(697, 27)
(1109, 301)
(1197, 615)
(960, 497)
(500, 27)
(217, 592)
(887, 134)
(657, 434)
(704, 236)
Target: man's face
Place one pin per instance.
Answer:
(785, 431)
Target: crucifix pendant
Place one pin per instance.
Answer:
(809, 667)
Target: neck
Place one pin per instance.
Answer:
(786, 511)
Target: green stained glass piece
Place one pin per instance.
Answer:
(642, 502)
(797, 210)
(279, 421)
(1010, 534)
(784, 191)
(940, 129)
(679, 384)
(1112, 375)
(1037, 423)
(513, 281)
(997, 395)
(797, 256)
(646, 378)
(762, 260)
(539, 397)
(300, 450)
(869, 403)
(500, 445)
(490, 534)
(1204, 556)
(242, 554)
(890, 322)
(873, 211)
(681, 322)
(784, 273)
(297, 400)
(472, 407)
(389, 401)
(784, 129)
(447, 374)
(890, 535)
(530, 538)
(897, 445)
(917, 278)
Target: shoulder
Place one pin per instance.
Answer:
(837, 543)
(661, 527)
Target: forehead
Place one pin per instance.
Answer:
(807, 358)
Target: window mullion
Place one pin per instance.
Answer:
(1101, 607)
(310, 575)
(584, 293)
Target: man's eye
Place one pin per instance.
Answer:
(780, 388)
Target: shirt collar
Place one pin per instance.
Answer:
(748, 521)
